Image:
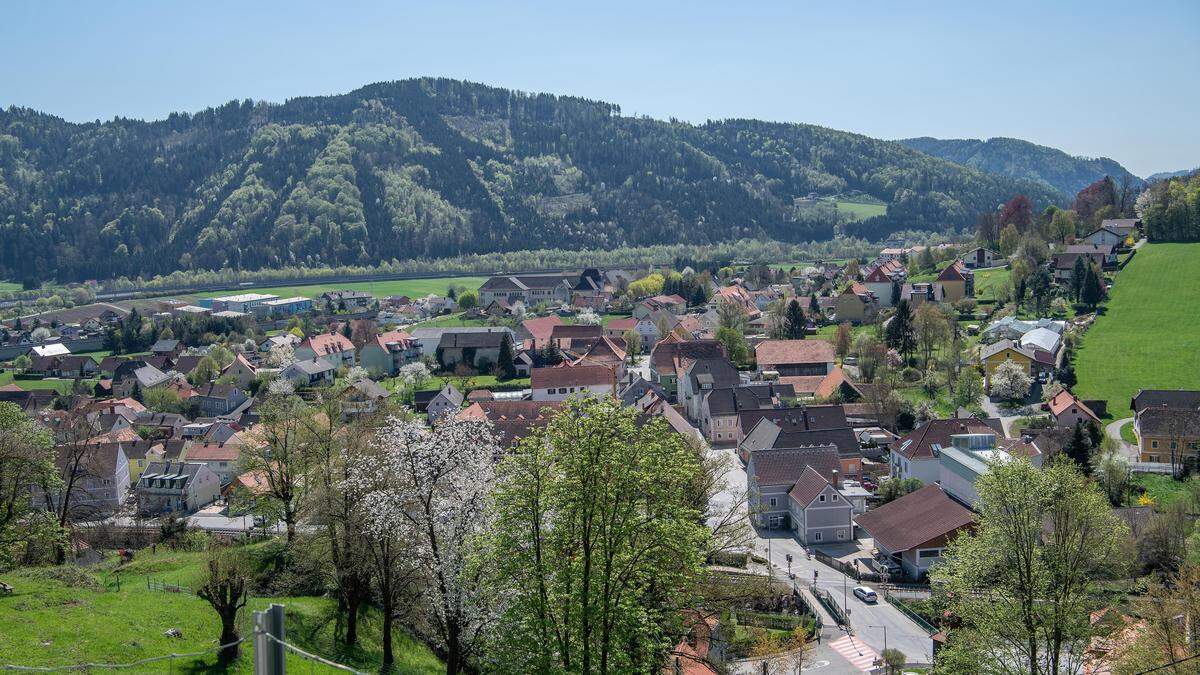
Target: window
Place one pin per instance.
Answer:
(816, 536)
(929, 553)
(1154, 444)
(774, 502)
(834, 497)
(1153, 458)
(841, 534)
(821, 498)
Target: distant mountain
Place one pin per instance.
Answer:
(1163, 175)
(434, 167)
(1021, 159)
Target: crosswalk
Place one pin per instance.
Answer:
(856, 652)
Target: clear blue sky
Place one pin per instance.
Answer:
(1120, 79)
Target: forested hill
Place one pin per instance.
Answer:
(427, 168)
(1021, 159)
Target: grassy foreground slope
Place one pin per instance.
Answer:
(1149, 334)
(69, 615)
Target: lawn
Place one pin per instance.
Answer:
(860, 211)
(1146, 337)
(1162, 489)
(409, 287)
(987, 281)
(63, 386)
(61, 616)
(10, 287)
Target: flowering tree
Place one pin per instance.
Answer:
(432, 489)
(357, 374)
(588, 317)
(414, 374)
(282, 355)
(1010, 382)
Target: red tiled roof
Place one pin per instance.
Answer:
(774, 352)
(914, 519)
(953, 272)
(214, 452)
(1065, 399)
(808, 487)
(329, 343)
(542, 328)
(512, 420)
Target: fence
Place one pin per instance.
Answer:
(850, 570)
(830, 606)
(156, 585)
(903, 607)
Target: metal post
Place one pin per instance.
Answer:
(275, 621)
(262, 652)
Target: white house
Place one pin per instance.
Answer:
(558, 383)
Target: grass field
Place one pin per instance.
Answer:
(987, 281)
(63, 386)
(1163, 489)
(9, 286)
(860, 211)
(410, 287)
(1148, 334)
(61, 616)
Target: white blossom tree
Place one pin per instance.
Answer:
(588, 317)
(414, 374)
(357, 374)
(433, 486)
(1010, 382)
(282, 355)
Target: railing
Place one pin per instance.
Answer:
(903, 607)
(830, 606)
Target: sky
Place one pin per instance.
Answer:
(1095, 78)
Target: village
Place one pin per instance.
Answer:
(853, 404)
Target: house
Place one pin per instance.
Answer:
(772, 474)
(1106, 252)
(221, 458)
(243, 303)
(218, 399)
(915, 529)
(1104, 236)
(1169, 435)
(634, 391)
(673, 304)
(702, 376)
(701, 647)
(881, 278)
(428, 339)
(605, 351)
(558, 383)
(71, 365)
(274, 341)
(176, 487)
(245, 489)
(531, 289)
(538, 330)
(915, 454)
(1126, 227)
(820, 514)
(1165, 398)
(591, 290)
(646, 329)
(131, 375)
(99, 478)
(795, 357)
(139, 454)
(362, 397)
(512, 420)
(1063, 264)
(801, 428)
(564, 336)
(1035, 362)
(241, 371)
(670, 357)
(312, 372)
(834, 386)
(347, 300)
(1068, 411)
(856, 304)
(965, 460)
(446, 401)
(334, 348)
(288, 306)
(385, 353)
(720, 408)
(955, 282)
(477, 350)
(168, 348)
(980, 257)
(737, 295)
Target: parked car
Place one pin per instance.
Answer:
(865, 594)
(888, 565)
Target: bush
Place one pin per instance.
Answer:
(298, 569)
(68, 575)
(911, 374)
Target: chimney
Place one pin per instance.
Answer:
(837, 479)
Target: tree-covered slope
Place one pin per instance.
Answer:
(432, 167)
(1021, 159)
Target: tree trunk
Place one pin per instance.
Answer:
(352, 605)
(389, 659)
(229, 634)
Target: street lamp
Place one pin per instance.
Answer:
(884, 635)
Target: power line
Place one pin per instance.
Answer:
(312, 657)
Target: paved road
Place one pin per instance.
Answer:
(821, 658)
(870, 622)
(1007, 414)
(1128, 450)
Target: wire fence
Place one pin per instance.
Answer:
(170, 658)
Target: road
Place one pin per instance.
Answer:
(211, 518)
(874, 624)
(1128, 450)
(1007, 414)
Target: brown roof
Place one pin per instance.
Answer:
(808, 487)
(1065, 399)
(512, 420)
(214, 452)
(953, 272)
(564, 331)
(570, 376)
(664, 356)
(786, 466)
(773, 352)
(918, 443)
(541, 328)
(914, 519)
(328, 343)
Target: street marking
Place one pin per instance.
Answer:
(858, 654)
(815, 665)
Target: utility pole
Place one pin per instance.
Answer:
(884, 635)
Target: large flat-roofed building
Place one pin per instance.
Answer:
(243, 302)
(288, 306)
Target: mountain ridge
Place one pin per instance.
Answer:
(1018, 158)
(425, 168)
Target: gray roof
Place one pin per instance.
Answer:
(311, 366)
(731, 400)
(1170, 422)
(451, 394)
(164, 346)
(149, 376)
(785, 466)
(720, 373)
(1170, 398)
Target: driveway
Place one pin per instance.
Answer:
(1113, 430)
(1008, 413)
